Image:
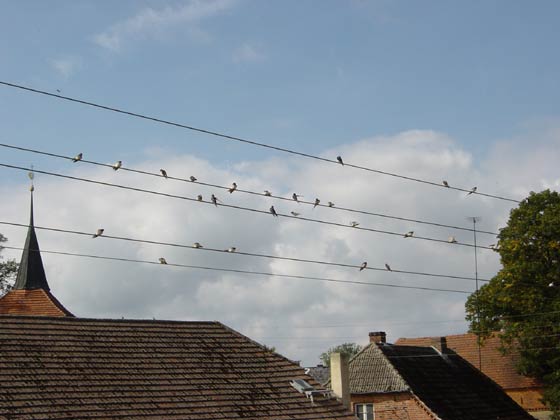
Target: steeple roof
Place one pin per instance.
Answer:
(31, 293)
(31, 273)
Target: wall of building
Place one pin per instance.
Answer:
(393, 406)
(528, 398)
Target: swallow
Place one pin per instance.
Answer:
(273, 211)
(267, 193)
(354, 224)
(78, 157)
(472, 191)
(162, 260)
(197, 245)
(192, 178)
(117, 165)
(199, 197)
(98, 233)
(388, 267)
(340, 160)
(231, 249)
(409, 234)
(363, 266)
(445, 183)
(214, 200)
(330, 204)
(163, 173)
(452, 240)
(233, 188)
(295, 197)
(295, 214)
(317, 201)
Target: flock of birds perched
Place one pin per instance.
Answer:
(117, 165)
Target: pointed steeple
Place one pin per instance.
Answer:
(31, 274)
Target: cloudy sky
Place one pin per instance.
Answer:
(465, 92)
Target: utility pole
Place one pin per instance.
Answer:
(474, 220)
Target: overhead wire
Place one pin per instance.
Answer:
(231, 206)
(240, 190)
(237, 271)
(247, 141)
(238, 252)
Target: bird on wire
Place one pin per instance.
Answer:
(273, 211)
(317, 202)
(163, 173)
(78, 157)
(409, 234)
(214, 200)
(354, 224)
(445, 183)
(452, 240)
(473, 190)
(295, 214)
(388, 267)
(199, 197)
(340, 160)
(192, 178)
(162, 260)
(363, 266)
(330, 204)
(116, 166)
(231, 249)
(98, 233)
(295, 197)
(197, 245)
(233, 188)
(267, 193)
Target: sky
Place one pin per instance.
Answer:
(462, 91)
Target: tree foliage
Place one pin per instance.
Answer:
(522, 302)
(8, 270)
(350, 349)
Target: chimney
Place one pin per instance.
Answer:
(377, 337)
(440, 344)
(340, 377)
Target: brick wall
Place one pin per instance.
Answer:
(394, 406)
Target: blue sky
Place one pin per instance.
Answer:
(462, 91)
(302, 74)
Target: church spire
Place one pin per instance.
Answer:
(31, 274)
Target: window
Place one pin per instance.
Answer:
(364, 411)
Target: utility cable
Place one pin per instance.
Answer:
(240, 253)
(231, 270)
(247, 141)
(231, 206)
(207, 184)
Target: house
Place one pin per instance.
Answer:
(423, 383)
(526, 391)
(54, 365)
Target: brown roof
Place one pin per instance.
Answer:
(68, 368)
(500, 368)
(31, 302)
(370, 371)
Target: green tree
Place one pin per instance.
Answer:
(522, 302)
(8, 270)
(350, 349)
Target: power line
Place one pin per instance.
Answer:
(231, 270)
(239, 253)
(247, 141)
(310, 203)
(231, 206)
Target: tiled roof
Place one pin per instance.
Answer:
(31, 302)
(370, 371)
(70, 368)
(500, 368)
(450, 387)
(320, 373)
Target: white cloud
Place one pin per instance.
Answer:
(248, 53)
(149, 22)
(280, 311)
(66, 66)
